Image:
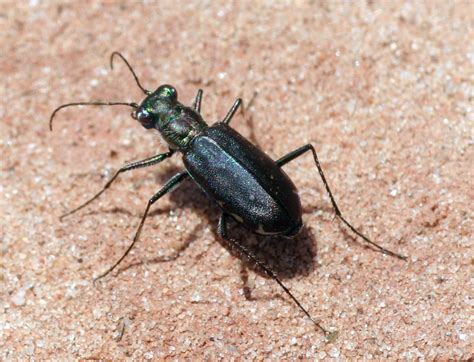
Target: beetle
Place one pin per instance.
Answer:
(249, 187)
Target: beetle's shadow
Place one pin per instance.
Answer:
(286, 257)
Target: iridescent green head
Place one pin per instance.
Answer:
(177, 123)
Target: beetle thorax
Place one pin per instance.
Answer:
(179, 126)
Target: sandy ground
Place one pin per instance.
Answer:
(384, 92)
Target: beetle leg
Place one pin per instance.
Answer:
(232, 111)
(298, 152)
(222, 231)
(197, 101)
(168, 187)
(131, 166)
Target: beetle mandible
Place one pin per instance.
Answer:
(247, 184)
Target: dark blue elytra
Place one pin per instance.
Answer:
(246, 183)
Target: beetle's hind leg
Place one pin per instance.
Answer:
(131, 166)
(168, 187)
(298, 152)
(242, 250)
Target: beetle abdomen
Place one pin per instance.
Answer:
(244, 181)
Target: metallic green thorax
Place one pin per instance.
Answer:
(177, 123)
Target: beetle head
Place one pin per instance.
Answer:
(154, 105)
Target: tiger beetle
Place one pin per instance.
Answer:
(249, 187)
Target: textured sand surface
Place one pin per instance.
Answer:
(383, 90)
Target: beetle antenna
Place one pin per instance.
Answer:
(133, 105)
(129, 67)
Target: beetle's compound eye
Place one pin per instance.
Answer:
(168, 92)
(144, 117)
